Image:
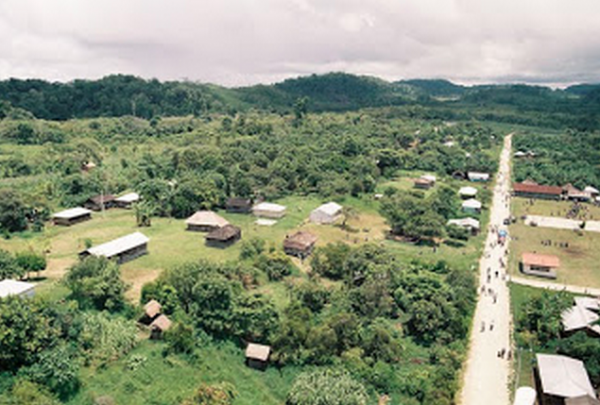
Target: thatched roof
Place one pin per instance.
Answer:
(300, 241)
(239, 202)
(152, 308)
(258, 352)
(161, 323)
(207, 218)
(100, 199)
(224, 234)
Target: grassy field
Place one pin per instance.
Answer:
(579, 262)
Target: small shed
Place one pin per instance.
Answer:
(239, 205)
(326, 213)
(100, 202)
(151, 310)
(257, 356)
(205, 221)
(123, 249)
(470, 224)
(592, 191)
(71, 216)
(520, 154)
(224, 236)
(471, 205)
(525, 396)
(467, 192)
(160, 325)
(127, 200)
(269, 210)
(16, 287)
(561, 378)
(300, 244)
(423, 183)
(478, 176)
(536, 264)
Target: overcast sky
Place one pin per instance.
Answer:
(240, 42)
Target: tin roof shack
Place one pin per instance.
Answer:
(72, 216)
(525, 396)
(536, 264)
(560, 378)
(472, 206)
(100, 202)
(269, 210)
(257, 356)
(300, 244)
(223, 237)
(159, 326)
(582, 316)
(326, 213)
(467, 192)
(239, 205)
(470, 224)
(122, 249)
(529, 190)
(14, 287)
(127, 200)
(205, 221)
(477, 176)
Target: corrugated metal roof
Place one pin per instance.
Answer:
(14, 287)
(72, 213)
(120, 245)
(266, 206)
(331, 208)
(128, 198)
(563, 376)
(468, 191)
(471, 203)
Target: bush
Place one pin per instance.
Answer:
(56, 369)
(104, 338)
(327, 387)
(30, 261)
(276, 264)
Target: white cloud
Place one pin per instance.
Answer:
(247, 41)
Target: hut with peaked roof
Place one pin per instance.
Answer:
(470, 224)
(239, 205)
(224, 236)
(122, 250)
(300, 244)
(127, 200)
(152, 309)
(326, 213)
(541, 265)
(71, 216)
(257, 356)
(159, 326)
(100, 202)
(205, 221)
(561, 378)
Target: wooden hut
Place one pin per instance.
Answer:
(257, 356)
(122, 250)
(100, 202)
(239, 205)
(72, 216)
(300, 244)
(160, 325)
(127, 200)
(152, 309)
(224, 236)
(205, 221)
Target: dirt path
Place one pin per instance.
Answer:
(486, 375)
(555, 286)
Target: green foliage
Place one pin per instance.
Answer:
(9, 267)
(541, 316)
(216, 394)
(180, 338)
(57, 369)
(12, 211)
(327, 387)
(275, 264)
(25, 392)
(251, 248)
(328, 261)
(30, 261)
(104, 338)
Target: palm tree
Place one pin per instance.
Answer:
(143, 213)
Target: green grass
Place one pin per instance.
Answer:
(169, 380)
(579, 262)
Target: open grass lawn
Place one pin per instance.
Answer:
(579, 262)
(168, 380)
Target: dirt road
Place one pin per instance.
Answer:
(486, 375)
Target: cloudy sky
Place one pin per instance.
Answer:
(240, 42)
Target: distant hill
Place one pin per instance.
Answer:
(582, 89)
(436, 87)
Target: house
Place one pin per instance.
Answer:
(160, 325)
(100, 202)
(269, 210)
(127, 200)
(572, 193)
(525, 396)
(561, 378)
(592, 191)
(326, 213)
(528, 190)
(423, 183)
(257, 356)
(477, 176)
(71, 216)
(467, 192)
(299, 244)
(205, 221)
(151, 310)
(470, 224)
(15, 287)
(122, 249)
(536, 264)
(472, 206)
(582, 317)
(224, 236)
(239, 205)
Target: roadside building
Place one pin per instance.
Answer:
(127, 200)
(525, 396)
(122, 250)
(528, 190)
(536, 264)
(257, 356)
(72, 216)
(470, 224)
(471, 206)
(300, 244)
(159, 326)
(224, 236)
(478, 176)
(467, 192)
(239, 205)
(561, 378)
(326, 213)
(269, 210)
(100, 202)
(205, 221)
(15, 287)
